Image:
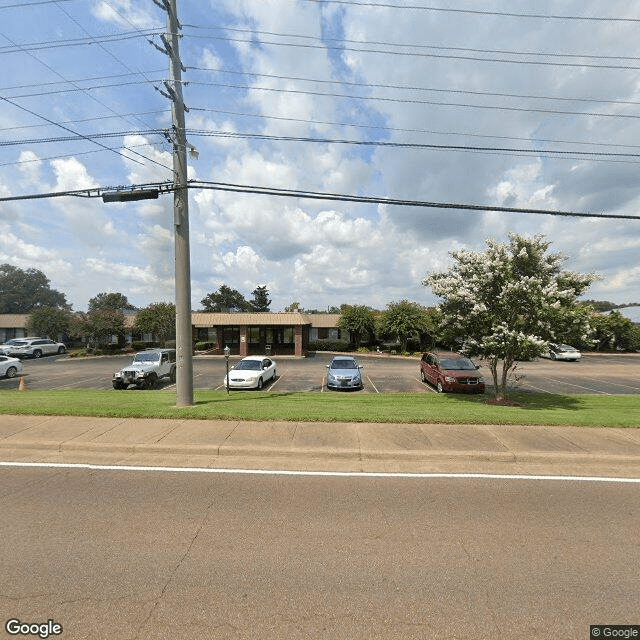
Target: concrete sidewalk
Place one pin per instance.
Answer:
(361, 447)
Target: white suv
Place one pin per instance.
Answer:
(32, 347)
(147, 368)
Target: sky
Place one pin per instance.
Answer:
(519, 104)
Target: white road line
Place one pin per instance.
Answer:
(373, 385)
(330, 474)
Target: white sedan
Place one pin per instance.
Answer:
(10, 367)
(251, 373)
(563, 352)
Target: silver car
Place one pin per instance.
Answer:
(563, 352)
(343, 372)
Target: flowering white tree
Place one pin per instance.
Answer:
(507, 302)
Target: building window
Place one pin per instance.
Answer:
(254, 335)
(231, 335)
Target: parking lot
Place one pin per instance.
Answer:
(605, 374)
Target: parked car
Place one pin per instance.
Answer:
(251, 373)
(10, 367)
(343, 372)
(563, 352)
(34, 347)
(146, 369)
(448, 371)
(6, 347)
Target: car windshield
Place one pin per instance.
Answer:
(344, 364)
(564, 347)
(250, 365)
(14, 342)
(147, 357)
(457, 364)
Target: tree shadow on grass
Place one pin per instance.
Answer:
(527, 401)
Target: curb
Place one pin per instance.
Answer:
(329, 454)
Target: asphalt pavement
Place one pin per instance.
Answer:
(337, 447)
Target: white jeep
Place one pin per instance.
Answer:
(147, 368)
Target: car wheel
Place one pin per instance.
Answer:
(61, 350)
(439, 387)
(151, 382)
(37, 353)
(118, 386)
(553, 356)
(422, 376)
(275, 373)
(11, 372)
(260, 384)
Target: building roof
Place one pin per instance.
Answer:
(13, 320)
(201, 320)
(324, 320)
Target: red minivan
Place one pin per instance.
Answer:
(448, 371)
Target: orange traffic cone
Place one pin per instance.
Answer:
(22, 385)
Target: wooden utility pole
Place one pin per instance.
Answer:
(184, 340)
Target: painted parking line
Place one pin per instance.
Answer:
(615, 384)
(77, 382)
(373, 385)
(578, 386)
(427, 387)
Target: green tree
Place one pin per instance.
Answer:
(113, 301)
(404, 320)
(225, 300)
(614, 331)
(293, 307)
(49, 322)
(358, 320)
(97, 327)
(260, 302)
(22, 291)
(506, 303)
(159, 319)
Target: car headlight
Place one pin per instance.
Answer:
(480, 379)
(449, 379)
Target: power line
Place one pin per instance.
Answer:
(507, 14)
(314, 195)
(549, 153)
(32, 4)
(77, 42)
(374, 85)
(322, 40)
(378, 127)
(326, 47)
(416, 101)
(167, 187)
(15, 104)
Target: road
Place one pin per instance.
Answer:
(156, 555)
(594, 374)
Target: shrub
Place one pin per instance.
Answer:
(205, 346)
(329, 345)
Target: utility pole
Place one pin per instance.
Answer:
(184, 344)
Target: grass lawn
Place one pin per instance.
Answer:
(539, 409)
